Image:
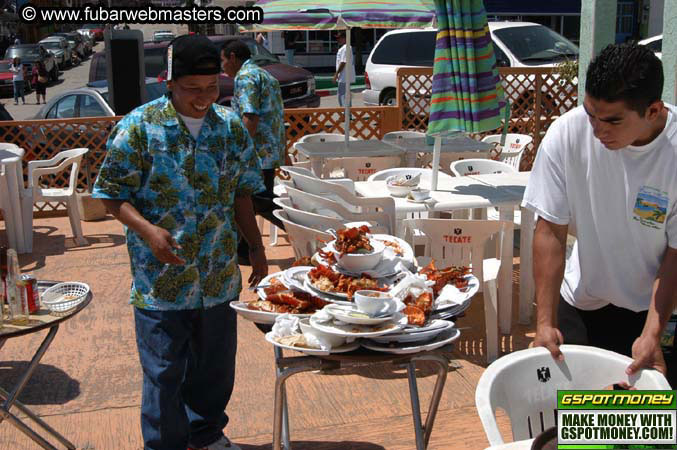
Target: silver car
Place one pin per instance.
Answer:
(90, 101)
(58, 46)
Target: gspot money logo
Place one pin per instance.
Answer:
(616, 419)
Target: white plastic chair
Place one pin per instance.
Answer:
(35, 193)
(307, 218)
(426, 159)
(426, 174)
(360, 168)
(317, 204)
(302, 161)
(462, 242)
(513, 149)
(10, 189)
(304, 240)
(346, 196)
(479, 167)
(306, 180)
(524, 384)
(394, 135)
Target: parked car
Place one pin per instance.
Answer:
(6, 85)
(161, 36)
(90, 101)
(59, 47)
(96, 29)
(4, 114)
(516, 44)
(32, 53)
(87, 40)
(76, 41)
(655, 44)
(297, 84)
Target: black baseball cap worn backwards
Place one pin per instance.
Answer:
(192, 55)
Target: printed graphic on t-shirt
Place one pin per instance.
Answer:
(651, 207)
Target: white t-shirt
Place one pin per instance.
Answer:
(192, 124)
(17, 72)
(341, 58)
(622, 205)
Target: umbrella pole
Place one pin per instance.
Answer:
(437, 149)
(349, 62)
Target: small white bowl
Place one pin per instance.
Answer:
(374, 303)
(420, 194)
(397, 190)
(358, 262)
(332, 339)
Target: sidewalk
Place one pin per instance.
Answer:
(88, 385)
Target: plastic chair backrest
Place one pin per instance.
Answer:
(447, 158)
(306, 180)
(479, 167)
(524, 384)
(426, 173)
(458, 242)
(353, 212)
(360, 168)
(61, 161)
(306, 217)
(513, 149)
(304, 240)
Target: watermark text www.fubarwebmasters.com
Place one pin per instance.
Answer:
(141, 14)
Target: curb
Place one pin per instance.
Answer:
(333, 91)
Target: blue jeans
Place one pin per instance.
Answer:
(18, 91)
(342, 94)
(188, 362)
(290, 56)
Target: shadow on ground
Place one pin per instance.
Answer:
(48, 385)
(318, 445)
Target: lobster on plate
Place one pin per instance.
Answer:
(353, 240)
(327, 280)
(280, 299)
(455, 275)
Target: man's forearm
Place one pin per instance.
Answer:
(251, 122)
(549, 254)
(340, 68)
(246, 221)
(127, 214)
(663, 296)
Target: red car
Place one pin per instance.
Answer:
(96, 29)
(6, 86)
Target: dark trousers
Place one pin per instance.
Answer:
(264, 207)
(188, 362)
(611, 328)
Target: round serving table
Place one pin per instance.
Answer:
(39, 321)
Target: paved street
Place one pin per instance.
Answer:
(75, 77)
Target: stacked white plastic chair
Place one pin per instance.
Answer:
(462, 242)
(524, 384)
(304, 240)
(9, 190)
(302, 161)
(68, 159)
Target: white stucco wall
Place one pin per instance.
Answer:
(655, 17)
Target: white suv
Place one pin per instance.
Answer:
(516, 44)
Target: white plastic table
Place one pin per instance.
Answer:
(455, 193)
(516, 183)
(317, 151)
(11, 189)
(461, 144)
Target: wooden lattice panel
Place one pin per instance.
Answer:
(537, 96)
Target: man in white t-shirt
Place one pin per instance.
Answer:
(607, 172)
(342, 67)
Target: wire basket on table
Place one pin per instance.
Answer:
(64, 297)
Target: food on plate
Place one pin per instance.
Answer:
(394, 246)
(353, 240)
(404, 180)
(455, 275)
(418, 308)
(326, 280)
(305, 261)
(281, 300)
(293, 340)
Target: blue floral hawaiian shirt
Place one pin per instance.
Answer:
(257, 92)
(188, 187)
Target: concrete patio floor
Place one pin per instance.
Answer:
(88, 385)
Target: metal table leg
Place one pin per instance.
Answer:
(280, 403)
(285, 414)
(423, 432)
(10, 400)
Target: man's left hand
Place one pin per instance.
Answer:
(257, 257)
(647, 354)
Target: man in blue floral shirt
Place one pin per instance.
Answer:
(257, 99)
(179, 174)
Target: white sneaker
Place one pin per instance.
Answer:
(222, 444)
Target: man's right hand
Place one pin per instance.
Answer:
(161, 244)
(550, 338)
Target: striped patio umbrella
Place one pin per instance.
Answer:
(279, 15)
(467, 95)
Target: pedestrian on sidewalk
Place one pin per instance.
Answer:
(18, 75)
(290, 39)
(342, 68)
(607, 170)
(39, 80)
(179, 174)
(257, 99)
